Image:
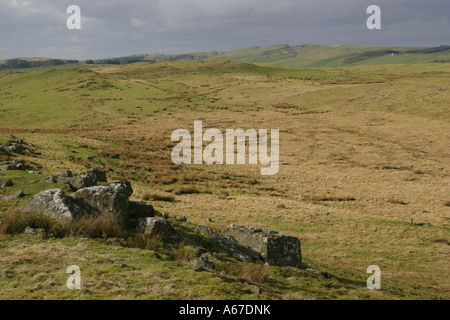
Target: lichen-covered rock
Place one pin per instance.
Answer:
(157, 228)
(12, 165)
(6, 183)
(112, 199)
(49, 179)
(34, 231)
(53, 203)
(276, 249)
(202, 264)
(140, 209)
(236, 250)
(207, 231)
(18, 194)
(65, 174)
(83, 180)
(14, 147)
(99, 173)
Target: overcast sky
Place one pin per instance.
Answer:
(113, 28)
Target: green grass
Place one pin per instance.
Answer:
(376, 134)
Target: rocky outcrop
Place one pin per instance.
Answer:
(275, 248)
(140, 209)
(65, 174)
(236, 250)
(16, 145)
(49, 179)
(207, 231)
(12, 165)
(112, 199)
(157, 228)
(53, 203)
(202, 264)
(82, 180)
(5, 183)
(34, 231)
(18, 194)
(99, 174)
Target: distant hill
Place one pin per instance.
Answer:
(306, 55)
(19, 63)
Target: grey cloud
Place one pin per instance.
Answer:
(116, 28)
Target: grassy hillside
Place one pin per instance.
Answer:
(307, 55)
(310, 55)
(363, 179)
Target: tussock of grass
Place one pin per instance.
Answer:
(185, 190)
(100, 226)
(145, 242)
(255, 272)
(184, 254)
(159, 197)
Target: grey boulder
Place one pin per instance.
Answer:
(53, 203)
(157, 228)
(140, 209)
(275, 248)
(83, 180)
(111, 199)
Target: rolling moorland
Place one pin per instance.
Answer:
(305, 55)
(364, 177)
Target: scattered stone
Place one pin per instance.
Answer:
(18, 194)
(207, 231)
(65, 174)
(276, 249)
(256, 290)
(3, 152)
(123, 265)
(49, 179)
(203, 263)
(111, 199)
(236, 250)
(7, 167)
(209, 220)
(34, 172)
(321, 214)
(323, 273)
(34, 231)
(311, 298)
(182, 219)
(82, 180)
(288, 269)
(14, 147)
(17, 146)
(166, 216)
(6, 183)
(157, 227)
(140, 209)
(99, 173)
(53, 203)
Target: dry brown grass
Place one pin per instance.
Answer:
(255, 272)
(183, 253)
(179, 190)
(100, 226)
(157, 196)
(146, 242)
